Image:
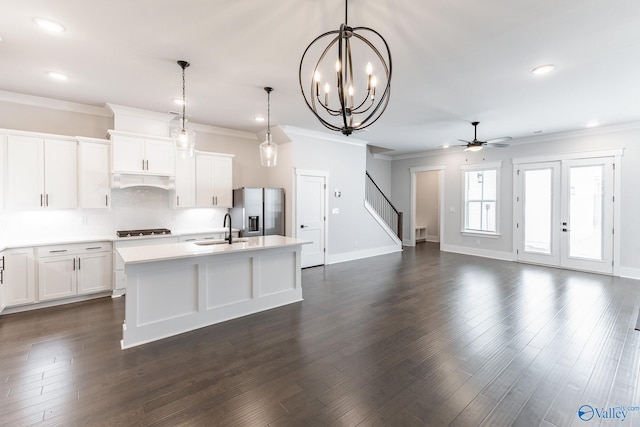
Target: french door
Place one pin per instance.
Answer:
(564, 214)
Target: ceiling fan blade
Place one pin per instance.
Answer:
(465, 141)
(496, 144)
(498, 140)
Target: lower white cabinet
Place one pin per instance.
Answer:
(75, 269)
(2, 286)
(18, 277)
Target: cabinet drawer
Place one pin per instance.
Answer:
(72, 249)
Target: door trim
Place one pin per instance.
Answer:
(294, 206)
(412, 230)
(617, 154)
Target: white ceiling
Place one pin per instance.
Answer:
(454, 61)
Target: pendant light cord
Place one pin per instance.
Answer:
(184, 97)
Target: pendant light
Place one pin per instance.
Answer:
(355, 105)
(184, 138)
(268, 150)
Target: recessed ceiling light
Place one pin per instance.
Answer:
(592, 124)
(259, 119)
(543, 69)
(49, 25)
(446, 146)
(57, 76)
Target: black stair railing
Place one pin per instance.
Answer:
(383, 206)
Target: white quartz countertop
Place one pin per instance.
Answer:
(54, 241)
(170, 251)
(62, 240)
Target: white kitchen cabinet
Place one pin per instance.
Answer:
(214, 180)
(68, 270)
(57, 277)
(137, 154)
(19, 277)
(185, 195)
(3, 167)
(3, 303)
(94, 173)
(41, 173)
(94, 272)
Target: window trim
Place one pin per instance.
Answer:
(478, 167)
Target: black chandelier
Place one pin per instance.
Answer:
(356, 106)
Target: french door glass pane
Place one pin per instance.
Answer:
(537, 210)
(586, 211)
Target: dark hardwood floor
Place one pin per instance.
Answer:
(418, 338)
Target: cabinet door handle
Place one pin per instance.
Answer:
(78, 263)
(147, 164)
(74, 264)
(142, 164)
(106, 200)
(46, 200)
(41, 199)
(213, 200)
(177, 200)
(93, 248)
(2, 263)
(58, 251)
(189, 240)
(1, 277)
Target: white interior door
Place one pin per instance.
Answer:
(310, 218)
(565, 214)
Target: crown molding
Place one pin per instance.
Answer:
(55, 104)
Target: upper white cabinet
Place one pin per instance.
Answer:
(94, 186)
(3, 167)
(138, 154)
(185, 195)
(41, 173)
(214, 180)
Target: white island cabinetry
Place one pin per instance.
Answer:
(175, 288)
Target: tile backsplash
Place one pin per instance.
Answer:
(131, 208)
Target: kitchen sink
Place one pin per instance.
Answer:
(220, 242)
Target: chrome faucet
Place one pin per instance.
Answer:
(224, 224)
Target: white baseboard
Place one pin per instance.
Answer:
(484, 253)
(352, 256)
(433, 239)
(630, 273)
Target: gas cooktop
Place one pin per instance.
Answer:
(144, 232)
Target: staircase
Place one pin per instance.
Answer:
(383, 208)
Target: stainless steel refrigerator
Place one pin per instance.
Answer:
(258, 211)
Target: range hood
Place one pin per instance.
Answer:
(125, 180)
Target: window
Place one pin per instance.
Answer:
(481, 200)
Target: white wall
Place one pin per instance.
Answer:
(379, 169)
(627, 137)
(353, 233)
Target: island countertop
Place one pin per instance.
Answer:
(170, 251)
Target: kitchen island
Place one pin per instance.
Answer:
(177, 287)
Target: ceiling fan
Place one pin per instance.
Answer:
(477, 145)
